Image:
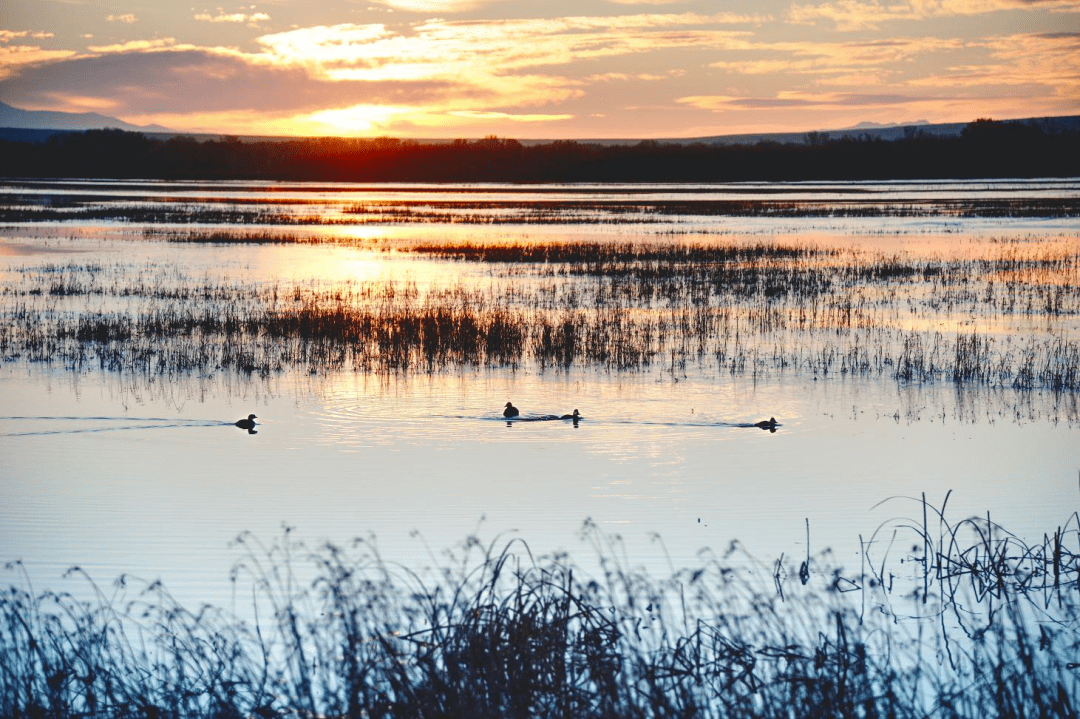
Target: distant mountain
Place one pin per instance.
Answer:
(37, 126)
(887, 132)
(864, 130)
(875, 125)
(47, 120)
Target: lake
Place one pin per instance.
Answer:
(119, 454)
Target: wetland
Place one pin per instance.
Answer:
(918, 344)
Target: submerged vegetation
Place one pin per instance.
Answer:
(297, 212)
(748, 309)
(942, 620)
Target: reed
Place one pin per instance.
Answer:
(755, 309)
(495, 631)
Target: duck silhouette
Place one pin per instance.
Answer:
(575, 416)
(769, 424)
(510, 411)
(248, 424)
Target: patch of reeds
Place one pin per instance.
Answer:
(745, 309)
(983, 627)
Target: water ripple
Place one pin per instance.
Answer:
(132, 423)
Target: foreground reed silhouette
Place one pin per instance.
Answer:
(967, 622)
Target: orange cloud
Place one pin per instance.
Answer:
(434, 6)
(435, 75)
(625, 77)
(252, 19)
(81, 103)
(817, 57)
(512, 117)
(440, 48)
(858, 80)
(805, 101)
(7, 36)
(135, 46)
(12, 57)
(848, 15)
(1049, 60)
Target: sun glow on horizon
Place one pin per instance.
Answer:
(358, 120)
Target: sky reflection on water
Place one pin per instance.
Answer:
(357, 456)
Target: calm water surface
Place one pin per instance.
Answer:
(119, 474)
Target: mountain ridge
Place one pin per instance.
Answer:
(17, 118)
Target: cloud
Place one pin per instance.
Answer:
(476, 49)
(194, 80)
(1029, 63)
(80, 103)
(432, 74)
(858, 80)
(625, 77)
(512, 117)
(251, 19)
(135, 46)
(436, 7)
(15, 56)
(850, 15)
(488, 65)
(7, 36)
(127, 18)
(823, 57)
(945, 78)
(802, 101)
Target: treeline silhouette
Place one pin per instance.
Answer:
(985, 148)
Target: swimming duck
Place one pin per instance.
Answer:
(248, 423)
(771, 424)
(510, 411)
(575, 416)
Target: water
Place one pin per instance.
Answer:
(123, 473)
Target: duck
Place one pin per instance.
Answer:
(763, 424)
(575, 416)
(248, 423)
(510, 411)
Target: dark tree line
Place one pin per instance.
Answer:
(985, 148)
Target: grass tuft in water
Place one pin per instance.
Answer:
(1001, 320)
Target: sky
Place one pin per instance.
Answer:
(549, 69)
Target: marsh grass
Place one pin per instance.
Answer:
(744, 309)
(942, 620)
